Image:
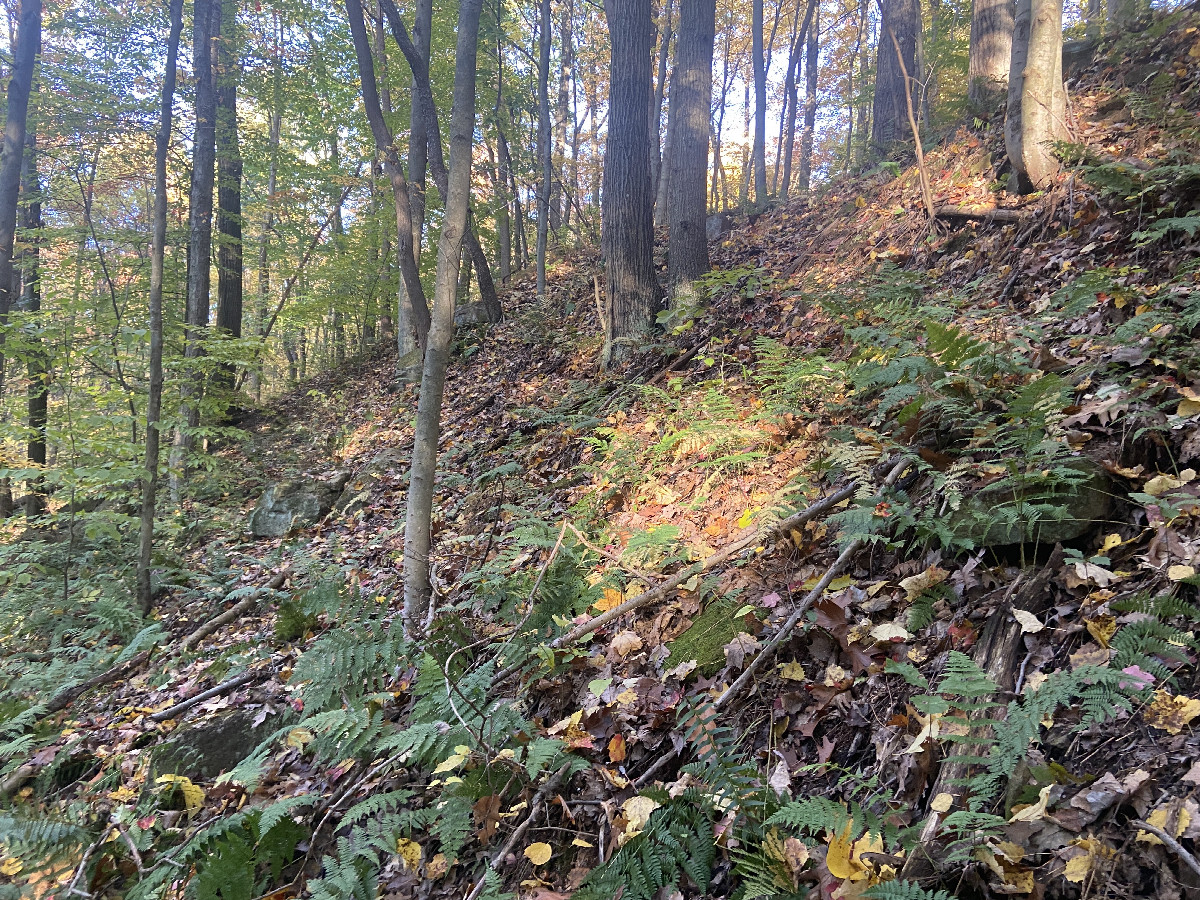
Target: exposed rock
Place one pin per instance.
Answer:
(1077, 55)
(716, 225)
(478, 313)
(288, 505)
(358, 489)
(1048, 510)
(205, 750)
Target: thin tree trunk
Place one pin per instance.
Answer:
(274, 128)
(418, 531)
(207, 30)
(157, 255)
(559, 211)
(544, 147)
(38, 365)
(789, 142)
(691, 96)
(627, 221)
(419, 134)
(229, 185)
(760, 106)
(506, 196)
(810, 101)
(413, 319)
(864, 108)
(661, 211)
(657, 159)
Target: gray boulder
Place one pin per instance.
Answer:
(477, 313)
(1043, 510)
(716, 225)
(297, 503)
(207, 749)
(357, 491)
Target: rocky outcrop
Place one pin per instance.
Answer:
(286, 506)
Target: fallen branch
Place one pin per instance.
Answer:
(223, 688)
(982, 214)
(535, 805)
(679, 578)
(235, 611)
(1171, 844)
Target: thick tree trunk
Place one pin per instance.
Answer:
(207, 30)
(627, 221)
(418, 141)
(545, 149)
(1037, 101)
(810, 102)
(760, 105)
(412, 319)
(691, 99)
(29, 43)
(889, 119)
(418, 531)
(229, 185)
(991, 49)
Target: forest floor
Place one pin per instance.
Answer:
(1023, 352)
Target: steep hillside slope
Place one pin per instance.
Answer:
(742, 619)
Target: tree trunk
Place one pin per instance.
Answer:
(207, 30)
(627, 221)
(760, 105)
(503, 205)
(991, 50)
(229, 185)
(1037, 101)
(418, 141)
(889, 119)
(661, 208)
(275, 126)
(789, 143)
(691, 99)
(660, 84)
(862, 130)
(29, 43)
(412, 319)
(418, 531)
(544, 145)
(560, 210)
(38, 365)
(810, 101)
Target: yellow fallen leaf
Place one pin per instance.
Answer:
(637, 812)
(1179, 573)
(1171, 818)
(580, 842)
(915, 584)
(1171, 714)
(11, 866)
(1187, 407)
(437, 867)
(1111, 542)
(612, 598)
(410, 853)
(450, 763)
(298, 738)
(889, 632)
(1034, 811)
(1102, 628)
(746, 518)
(193, 795)
(942, 802)
(837, 857)
(539, 854)
(1160, 484)
(791, 671)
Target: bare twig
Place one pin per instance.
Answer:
(1171, 844)
(234, 612)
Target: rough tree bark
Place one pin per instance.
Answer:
(789, 142)
(760, 104)
(417, 534)
(1037, 100)
(627, 223)
(206, 31)
(691, 100)
(37, 365)
(889, 118)
(29, 43)
(412, 319)
(990, 50)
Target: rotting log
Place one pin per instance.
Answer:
(982, 213)
(998, 654)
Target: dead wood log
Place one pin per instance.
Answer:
(981, 213)
(223, 688)
(998, 653)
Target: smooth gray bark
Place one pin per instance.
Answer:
(1037, 100)
(545, 149)
(760, 104)
(418, 531)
